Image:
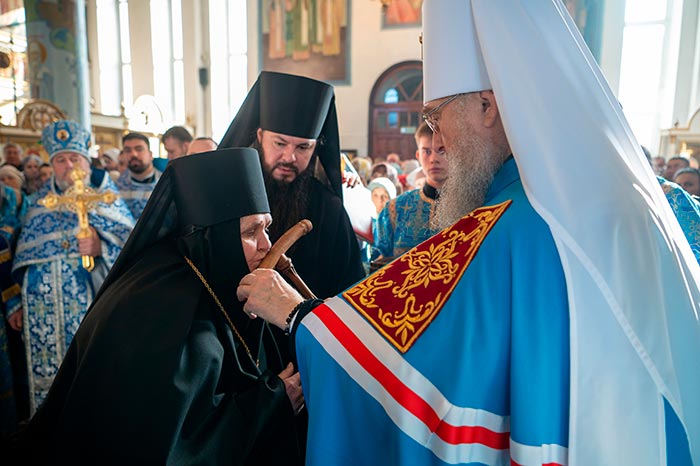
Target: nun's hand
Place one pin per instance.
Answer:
(268, 296)
(292, 384)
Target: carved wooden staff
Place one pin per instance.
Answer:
(276, 259)
(79, 199)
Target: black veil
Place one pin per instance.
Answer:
(154, 372)
(292, 105)
(199, 199)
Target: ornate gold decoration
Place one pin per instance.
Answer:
(11, 292)
(38, 114)
(79, 199)
(404, 297)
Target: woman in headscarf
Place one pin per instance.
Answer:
(14, 179)
(165, 368)
(363, 166)
(386, 170)
(383, 190)
(31, 165)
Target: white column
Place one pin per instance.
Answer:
(93, 55)
(141, 50)
(611, 52)
(195, 16)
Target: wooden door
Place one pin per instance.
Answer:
(395, 111)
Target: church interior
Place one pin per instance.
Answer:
(148, 65)
(142, 308)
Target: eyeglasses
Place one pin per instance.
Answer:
(431, 118)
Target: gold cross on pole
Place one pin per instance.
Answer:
(80, 199)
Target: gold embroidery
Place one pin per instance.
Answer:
(10, 292)
(62, 135)
(404, 297)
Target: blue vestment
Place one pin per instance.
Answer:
(8, 418)
(56, 289)
(9, 224)
(485, 381)
(10, 214)
(403, 223)
(687, 212)
(136, 193)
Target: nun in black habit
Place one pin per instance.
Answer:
(160, 371)
(328, 258)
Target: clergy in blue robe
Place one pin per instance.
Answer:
(687, 211)
(56, 289)
(458, 356)
(405, 221)
(462, 365)
(408, 220)
(547, 325)
(138, 181)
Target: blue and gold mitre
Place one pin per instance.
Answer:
(66, 136)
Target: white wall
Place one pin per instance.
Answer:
(93, 56)
(372, 51)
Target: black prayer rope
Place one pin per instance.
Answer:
(291, 315)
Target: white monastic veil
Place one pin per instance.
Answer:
(631, 276)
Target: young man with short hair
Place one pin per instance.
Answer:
(176, 142)
(137, 182)
(406, 221)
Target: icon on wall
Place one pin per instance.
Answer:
(306, 37)
(401, 13)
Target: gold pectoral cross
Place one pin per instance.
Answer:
(80, 199)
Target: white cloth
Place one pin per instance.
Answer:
(631, 277)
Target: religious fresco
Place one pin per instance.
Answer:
(56, 53)
(40, 75)
(306, 37)
(400, 13)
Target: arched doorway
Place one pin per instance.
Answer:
(395, 110)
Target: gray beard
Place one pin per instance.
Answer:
(472, 165)
(64, 185)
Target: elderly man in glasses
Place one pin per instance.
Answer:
(547, 324)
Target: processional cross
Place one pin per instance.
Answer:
(79, 199)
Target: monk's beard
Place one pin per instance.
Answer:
(288, 201)
(472, 164)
